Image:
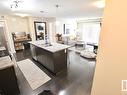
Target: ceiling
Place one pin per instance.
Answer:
(67, 8)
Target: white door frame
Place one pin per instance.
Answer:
(8, 37)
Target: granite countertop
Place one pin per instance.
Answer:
(53, 48)
(5, 62)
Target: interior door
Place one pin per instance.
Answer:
(3, 42)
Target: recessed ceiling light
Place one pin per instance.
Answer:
(21, 14)
(99, 4)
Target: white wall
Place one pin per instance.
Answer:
(48, 21)
(51, 29)
(8, 36)
(31, 28)
(18, 24)
(111, 66)
(60, 25)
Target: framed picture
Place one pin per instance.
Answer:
(40, 30)
(67, 29)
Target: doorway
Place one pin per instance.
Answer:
(3, 40)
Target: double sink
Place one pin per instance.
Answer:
(45, 45)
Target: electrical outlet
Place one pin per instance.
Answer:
(124, 85)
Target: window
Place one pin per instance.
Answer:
(90, 31)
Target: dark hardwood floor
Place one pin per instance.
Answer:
(77, 80)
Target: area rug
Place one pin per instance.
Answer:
(33, 74)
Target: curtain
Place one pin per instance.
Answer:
(90, 31)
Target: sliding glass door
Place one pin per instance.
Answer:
(90, 31)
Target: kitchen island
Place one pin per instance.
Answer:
(52, 56)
